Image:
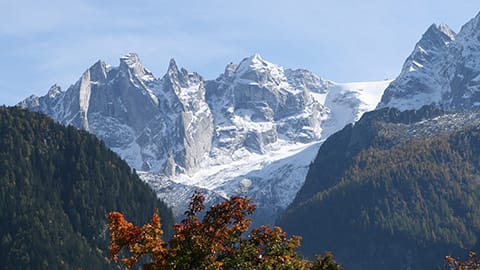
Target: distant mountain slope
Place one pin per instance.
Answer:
(443, 69)
(397, 190)
(231, 135)
(56, 185)
(180, 122)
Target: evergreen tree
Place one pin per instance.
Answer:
(56, 186)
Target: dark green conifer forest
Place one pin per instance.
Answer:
(382, 202)
(56, 186)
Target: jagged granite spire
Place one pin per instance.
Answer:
(443, 70)
(98, 71)
(131, 62)
(175, 127)
(444, 28)
(172, 68)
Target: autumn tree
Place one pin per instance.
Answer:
(472, 263)
(216, 241)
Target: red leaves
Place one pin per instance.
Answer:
(473, 262)
(122, 233)
(196, 205)
(139, 241)
(215, 242)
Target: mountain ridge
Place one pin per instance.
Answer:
(443, 70)
(181, 125)
(57, 185)
(394, 191)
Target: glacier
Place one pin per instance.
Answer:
(252, 131)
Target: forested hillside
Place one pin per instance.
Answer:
(56, 186)
(403, 191)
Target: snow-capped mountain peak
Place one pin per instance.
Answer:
(181, 76)
(255, 69)
(443, 69)
(254, 61)
(433, 42)
(436, 38)
(259, 116)
(229, 70)
(131, 63)
(444, 28)
(54, 91)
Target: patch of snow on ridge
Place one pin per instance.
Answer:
(218, 174)
(369, 93)
(252, 131)
(270, 180)
(349, 101)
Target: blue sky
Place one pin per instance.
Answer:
(43, 42)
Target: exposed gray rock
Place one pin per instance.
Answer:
(252, 131)
(158, 125)
(443, 69)
(260, 102)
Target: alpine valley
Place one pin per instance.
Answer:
(253, 131)
(400, 188)
(394, 188)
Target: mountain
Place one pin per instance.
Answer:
(253, 131)
(56, 186)
(443, 69)
(397, 190)
(144, 119)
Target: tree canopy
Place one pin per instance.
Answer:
(56, 185)
(216, 241)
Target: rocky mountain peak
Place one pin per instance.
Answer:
(256, 69)
(182, 125)
(253, 62)
(130, 59)
(306, 80)
(433, 42)
(180, 77)
(444, 28)
(444, 70)
(131, 64)
(436, 38)
(98, 71)
(172, 68)
(256, 59)
(54, 91)
(176, 75)
(229, 69)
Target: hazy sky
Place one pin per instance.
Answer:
(43, 42)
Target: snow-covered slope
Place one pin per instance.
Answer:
(348, 101)
(253, 131)
(270, 179)
(443, 69)
(163, 125)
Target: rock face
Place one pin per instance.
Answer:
(444, 70)
(257, 103)
(154, 124)
(376, 194)
(252, 131)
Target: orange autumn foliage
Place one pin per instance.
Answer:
(472, 263)
(217, 241)
(139, 241)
